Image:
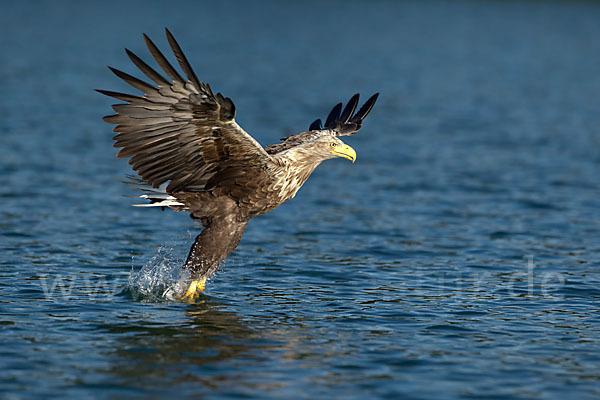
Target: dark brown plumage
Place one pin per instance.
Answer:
(192, 156)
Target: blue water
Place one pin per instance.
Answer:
(458, 258)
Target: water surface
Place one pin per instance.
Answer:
(458, 258)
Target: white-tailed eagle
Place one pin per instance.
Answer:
(191, 155)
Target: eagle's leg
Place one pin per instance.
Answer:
(209, 250)
(192, 291)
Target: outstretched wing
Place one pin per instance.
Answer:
(345, 122)
(179, 131)
(338, 123)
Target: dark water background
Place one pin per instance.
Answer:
(458, 258)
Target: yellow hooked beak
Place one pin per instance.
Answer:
(345, 151)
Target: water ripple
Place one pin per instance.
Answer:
(456, 259)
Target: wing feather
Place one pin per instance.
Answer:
(135, 82)
(349, 109)
(182, 59)
(365, 109)
(179, 131)
(345, 122)
(162, 61)
(148, 70)
(123, 96)
(333, 116)
(317, 125)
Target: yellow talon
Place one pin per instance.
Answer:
(192, 291)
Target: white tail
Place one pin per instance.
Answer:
(157, 202)
(158, 196)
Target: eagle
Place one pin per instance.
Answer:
(190, 155)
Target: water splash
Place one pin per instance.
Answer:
(160, 279)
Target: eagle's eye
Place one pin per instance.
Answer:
(333, 144)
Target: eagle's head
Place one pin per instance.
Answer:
(316, 147)
(330, 146)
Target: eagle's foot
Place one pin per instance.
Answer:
(192, 292)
